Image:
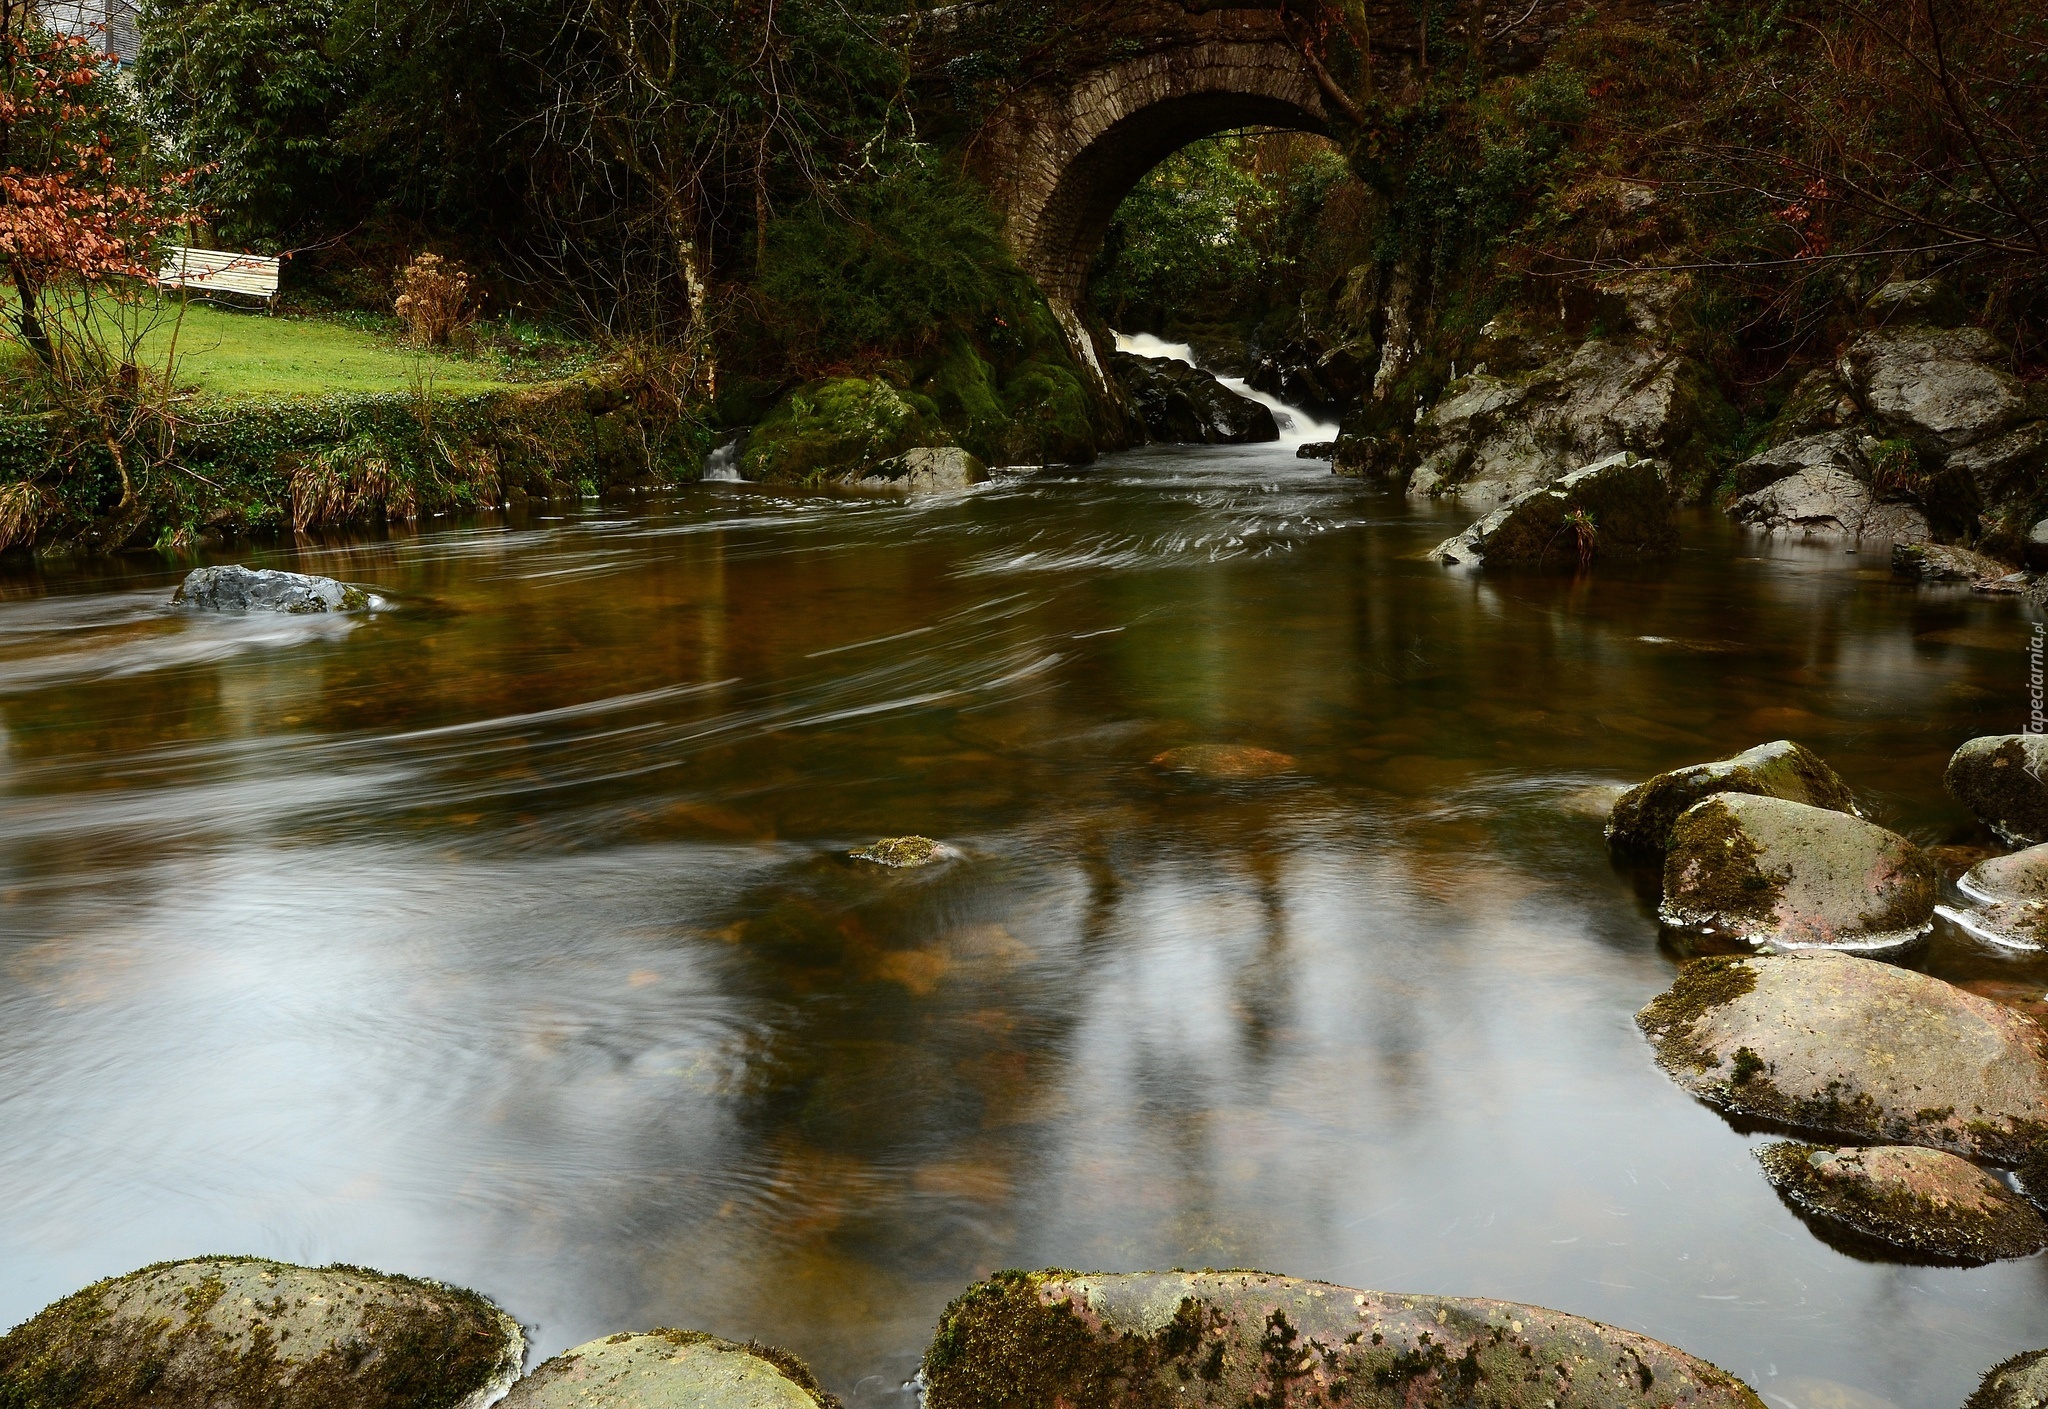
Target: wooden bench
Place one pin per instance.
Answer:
(221, 272)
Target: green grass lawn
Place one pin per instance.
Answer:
(231, 354)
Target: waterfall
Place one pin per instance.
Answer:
(722, 466)
(1297, 427)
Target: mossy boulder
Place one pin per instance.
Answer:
(1855, 1047)
(839, 428)
(240, 589)
(1998, 777)
(945, 470)
(1642, 817)
(2018, 1383)
(1769, 870)
(1149, 1340)
(1052, 416)
(669, 1369)
(1928, 1203)
(247, 1333)
(1616, 509)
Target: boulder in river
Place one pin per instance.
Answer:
(1940, 562)
(1832, 1042)
(240, 589)
(1641, 818)
(1616, 508)
(1224, 762)
(942, 469)
(1942, 388)
(670, 1369)
(247, 1333)
(1181, 403)
(1926, 1202)
(1767, 870)
(2018, 1383)
(903, 852)
(1998, 777)
(1241, 1338)
(1818, 486)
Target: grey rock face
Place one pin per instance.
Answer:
(1943, 388)
(1936, 562)
(1817, 486)
(1053, 1338)
(944, 469)
(1494, 438)
(2005, 464)
(247, 1333)
(1926, 1202)
(1642, 817)
(1855, 1047)
(1998, 777)
(1614, 509)
(240, 589)
(669, 1370)
(1767, 871)
(1184, 404)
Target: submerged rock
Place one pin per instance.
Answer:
(945, 469)
(902, 852)
(670, 1369)
(247, 1333)
(1766, 870)
(1831, 1042)
(1998, 777)
(1641, 818)
(1243, 1338)
(2021, 876)
(240, 589)
(1927, 1202)
(1616, 508)
(2018, 1383)
(1224, 762)
(1180, 403)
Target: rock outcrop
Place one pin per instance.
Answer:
(1616, 509)
(1834, 1043)
(1818, 486)
(247, 1333)
(1925, 1202)
(1642, 817)
(1492, 438)
(670, 1369)
(240, 589)
(1998, 777)
(1763, 870)
(1184, 404)
(925, 470)
(2018, 1383)
(1942, 388)
(1935, 562)
(1143, 1338)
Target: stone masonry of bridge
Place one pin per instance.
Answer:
(1137, 80)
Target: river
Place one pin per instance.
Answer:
(509, 936)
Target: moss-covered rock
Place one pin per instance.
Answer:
(239, 589)
(669, 1369)
(903, 851)
(1149, 1340)
(1616, 509)
(1052, 416)
(1767, 870)
(946, 470)
(246, 1333)
(1925, 1202)
(2018, 1383)
(1855, 1047)
(1641, 818)
(839, 428)
(1998, 777)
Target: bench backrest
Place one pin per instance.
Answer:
(220, 271)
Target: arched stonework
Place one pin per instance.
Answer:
(1059, 158)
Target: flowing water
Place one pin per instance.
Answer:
(509, 936)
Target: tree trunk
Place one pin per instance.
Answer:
(28, 319)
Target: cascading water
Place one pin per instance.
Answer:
(722, 466)
(1297, 426)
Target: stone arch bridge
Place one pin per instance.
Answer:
(1094, 94)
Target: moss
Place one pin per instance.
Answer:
(961, 384)
(2007, 1384)
(1832, 1186)
(1052, 416)
(1001, 1346)
(1747, 1065)
(1701, 986)
(421, 1346)
(839, 427)
(1711, 871)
